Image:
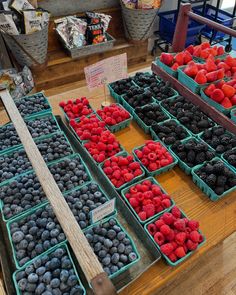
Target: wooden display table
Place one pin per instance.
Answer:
(217, 220)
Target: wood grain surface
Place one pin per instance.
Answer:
(217, 219)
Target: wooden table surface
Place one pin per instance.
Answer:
(217, 219)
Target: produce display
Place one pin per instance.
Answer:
(144, 80)
(52, 273)
(16, 162)
(112, 245)
(204, 50)
(147, 198)
(175, 235)
(217, 176)
(230, 157)
(113, 114)
(175, 60)
(223, 93)
(76, 108)
(34, 234)
(162, 90)
(188, 114)
(151, 114)
(138, 97)
(122, 170)
(219, 139)
(122, 86)
(170, 131)
(154, 156)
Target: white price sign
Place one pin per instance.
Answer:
(103, 211)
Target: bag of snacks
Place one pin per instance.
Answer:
(7, 24)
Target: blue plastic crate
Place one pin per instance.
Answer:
(167, 26)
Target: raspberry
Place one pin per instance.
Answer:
(152, 157)
(149, 209)
(148, 195)
(194, 236)
(166, 203)
(156, 190)
(159, 209)
(137, 172)
(100, 158)
(144, 188)
(157, 202)
(144, 161)
(176, 212)
(193, 224)
(180, 238)
(139, 154)
(128, 177)
(159, 223)
(134, 166)
(133, 190)
(166, 249)
(152, 229)
(174, 244)
(167, 218)
(133, 202)
(172, 257)
(180, 225)
(159, 238)
(165, 229)
(180, 252)
(108, 170)
(152, 167)
(147, 183)
(142, 215)
(191, 245)
(170, 236)
(123, 161)
(117, 174)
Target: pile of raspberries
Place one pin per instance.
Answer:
(76, 108)
(113, 114)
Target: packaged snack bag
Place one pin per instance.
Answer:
(20, 5)
(95, 33)
(7, 24)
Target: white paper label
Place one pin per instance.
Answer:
(103, 210)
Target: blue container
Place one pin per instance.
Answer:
(233, 115)
(167, 26)
(223, 18)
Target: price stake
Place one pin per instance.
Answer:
(103, 210)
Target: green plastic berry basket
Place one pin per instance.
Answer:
(128, 266)
(214, 104)
(182, 164)
(167, 68)
(113, 93)
(129, 108)
(135, 179)
(160, 170)
(48, 252)
(156, 137)
(121, 125)
(159, 248)
(42, 112)
(224, 159)
(205, 188)
(68, 119)
(175, 94)
(153, 181)
(233, 114)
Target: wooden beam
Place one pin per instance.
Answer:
(82, 250)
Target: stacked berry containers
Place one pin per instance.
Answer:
(230, 158)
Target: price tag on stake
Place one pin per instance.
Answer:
(103, 210)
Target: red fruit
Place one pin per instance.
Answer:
(223, 65)
(204, 54)
(149, 209)
(201, 77)
(193, 224)
(153, 167)
(191, 245)
(174, 244)
(217, 95)
(211, 77)
(172, 257)
(159, 223)
(175, 66)
(180, 225)
(187, 57)
(190, 49)
(197, 51)
(180, 238)
(101, 158)
(220, 74)
(167, 58)
(166, 203)
(165, 229)
(166, 249)
(176, 212)
(139, 154)
(230, 61)
(208, 91)
(142, 215)
(133, 202)
(226, 103)
(152, 229)
(128, 177)
(220, 50)
(179, 58)
(233, 100)
(228, 90)
(210, 65)
(191, 70)
(134, 165)
(167, 218)
(205, 45)
(170, 237)
(159, 238)
(201, 239)
(180, 252)
(194, 236)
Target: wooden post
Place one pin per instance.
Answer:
(82, 250)
(181, 28)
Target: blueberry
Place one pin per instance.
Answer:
(33, 278)
(97, 247)
(111, 234)
(108, 243)
(89, 238)
(40, 271)
(20, 275)
(102, 254)
(107, 270)
(64, 275)
(17, 237)
(22, 284)
(31, 287)
(114, 269)
(106, 261)
(121, 235)
(66, 263)
(40, 289)
(59, 253)
(55, 263)
(128, 249)
(77, 290)
(29, 269)
(47, 277)
(132, 256)
(55, 283)
(72, 280)
(121, 248)
(115, 258)
(123, 258)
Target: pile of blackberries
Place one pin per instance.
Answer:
(17, 162)
(230, 157)
(29, 105)
(162, 90)
(51, 274)
(217, 176)
(111, 245)
(188, 114)
(120, 87)
(169, 132)
(144, 80)
(137, 97)
(83, 200)
(151, 114)
(219, 139)
(37, 128)
(25, 191)
(35, 234)
(192, 152)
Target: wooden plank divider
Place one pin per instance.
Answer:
(87, 259)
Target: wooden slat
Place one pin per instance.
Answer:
(82, 250)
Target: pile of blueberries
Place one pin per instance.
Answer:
(112, 245)
(137, 97)
(151, 114)
(25, 191)
(144, 80)
(37, 128)
(170, 131)
(161, 91)
(120, 87)
(219, 139)
(51, 274)
(29, 105)
(17, 162)
(188, 114)
(35, 234)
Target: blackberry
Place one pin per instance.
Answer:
(211, 180)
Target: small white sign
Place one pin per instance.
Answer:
(103, 210)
